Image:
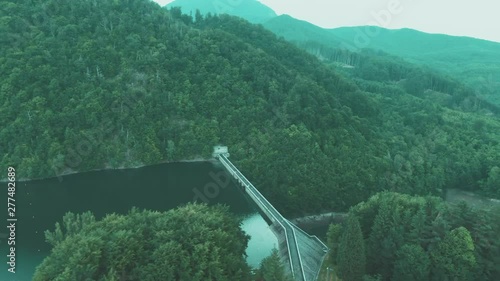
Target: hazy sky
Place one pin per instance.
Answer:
(479, 18)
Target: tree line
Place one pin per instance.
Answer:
(92, 85)
(194, 242)
(399, 237)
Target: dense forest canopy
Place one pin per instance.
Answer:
(190, 243)
(105, 84)
(416, 238)
(475, 62)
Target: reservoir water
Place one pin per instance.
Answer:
(42, 203)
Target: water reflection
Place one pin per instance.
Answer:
(262, 239)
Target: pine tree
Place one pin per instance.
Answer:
(271, 269)
(351, 253)
(333, 239)
(378, 241)
(412, 264)
(454, 259)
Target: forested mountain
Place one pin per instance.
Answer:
(104, 84)
(251, 10)
(474, 61)
(377, 66)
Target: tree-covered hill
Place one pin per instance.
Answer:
(474, 61)
(368, 65)
(193, 242)
(416, 238)
(103, 84)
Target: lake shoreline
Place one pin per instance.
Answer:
(69, 171)
(322, 219)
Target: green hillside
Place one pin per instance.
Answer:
(476, 62)
(416, 238)
(148, 246)
(412, 43)
(92, 85)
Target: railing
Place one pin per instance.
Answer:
(317, 239)
(312, 237)
(298, 251)
(270, 209)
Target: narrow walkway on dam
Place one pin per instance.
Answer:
(302, 253)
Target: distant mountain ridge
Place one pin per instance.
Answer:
(474, 61)
(296, 30)
(408, 42)
(251, 10)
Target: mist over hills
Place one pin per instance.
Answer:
(474, 61)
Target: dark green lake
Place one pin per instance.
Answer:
(41, 203)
